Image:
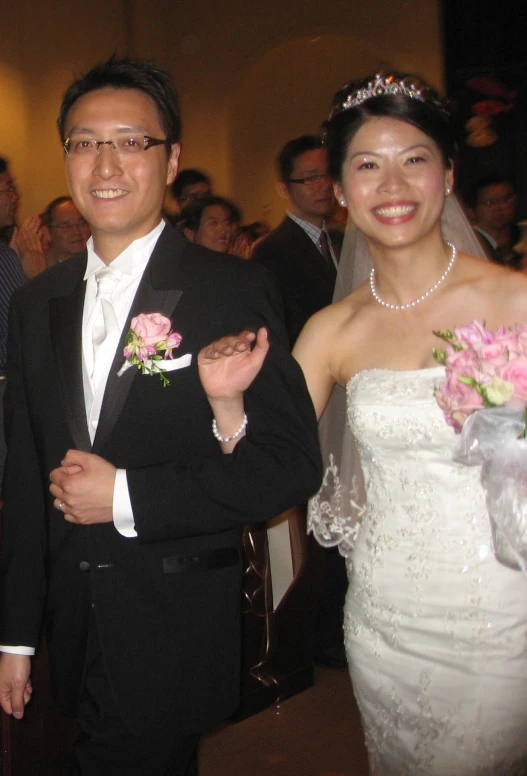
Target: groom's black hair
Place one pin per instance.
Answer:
(126, 73)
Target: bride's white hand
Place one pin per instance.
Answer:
(228, 366)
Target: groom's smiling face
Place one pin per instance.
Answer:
(119, 195)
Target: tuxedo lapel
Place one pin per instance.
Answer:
(66, 337)
(148, 299)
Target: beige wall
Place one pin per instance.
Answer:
(250, 75)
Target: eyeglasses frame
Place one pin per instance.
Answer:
(314, 179)
(506, 199)
(149, 142)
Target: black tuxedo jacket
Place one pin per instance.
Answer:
(165, 605)
(303, 276)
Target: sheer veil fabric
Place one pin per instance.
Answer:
(334, 514)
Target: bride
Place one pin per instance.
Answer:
(435, 626)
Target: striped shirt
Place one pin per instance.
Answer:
(11, 278)
(314, 232)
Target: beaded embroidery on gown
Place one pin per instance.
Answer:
(435, 627)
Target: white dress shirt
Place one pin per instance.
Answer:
(130, 266)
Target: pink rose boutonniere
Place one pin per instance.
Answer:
(150, 340)
(484, 398)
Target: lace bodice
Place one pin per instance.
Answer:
(405, 449)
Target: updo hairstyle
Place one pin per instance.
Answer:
(412, 100)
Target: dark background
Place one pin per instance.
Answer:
(489, 41)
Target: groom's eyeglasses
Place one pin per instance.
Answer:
(127, 144)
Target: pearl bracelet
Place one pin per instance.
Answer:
(236, 434)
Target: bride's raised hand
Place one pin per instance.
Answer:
(228, 366)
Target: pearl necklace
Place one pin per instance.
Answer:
(421, 298)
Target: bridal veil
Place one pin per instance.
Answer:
(334, 514)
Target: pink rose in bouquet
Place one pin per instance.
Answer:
(515, 372)
(458, 400)
(484, 397)
(483, 369)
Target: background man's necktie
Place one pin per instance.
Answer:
(325, 250)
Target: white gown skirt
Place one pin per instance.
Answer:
(435, 627)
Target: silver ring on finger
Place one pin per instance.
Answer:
(61, 506)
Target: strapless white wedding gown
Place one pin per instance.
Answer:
(435, 627)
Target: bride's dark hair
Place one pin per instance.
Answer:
(403, 97)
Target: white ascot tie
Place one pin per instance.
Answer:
(105, 329)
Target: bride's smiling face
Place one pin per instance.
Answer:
(393, 181)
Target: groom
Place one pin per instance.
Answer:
(133, 561)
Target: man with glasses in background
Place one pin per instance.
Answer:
(134, 560)
(190, 184)
(299, 253)
(9, 199)
(66, 230)
(302, 256)
(492, 204)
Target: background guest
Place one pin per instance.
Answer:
(248, 238)
(302, 256)
(9, 199)
(299, 252)
(492, 204)
(190, 184)
(11, 278)
(65, 229)
(26, 240)
(210, 221)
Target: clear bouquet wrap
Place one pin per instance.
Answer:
(484, 398)
(490, 438)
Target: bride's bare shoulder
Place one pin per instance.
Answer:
(476, 269)
(499, 288)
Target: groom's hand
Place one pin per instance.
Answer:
(15, 684)
(83, 488)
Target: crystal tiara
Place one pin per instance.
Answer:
(381, 85)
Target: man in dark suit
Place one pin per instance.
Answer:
(133, 559)
(492, 206)
(300, 253)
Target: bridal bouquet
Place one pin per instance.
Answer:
(484, 398)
